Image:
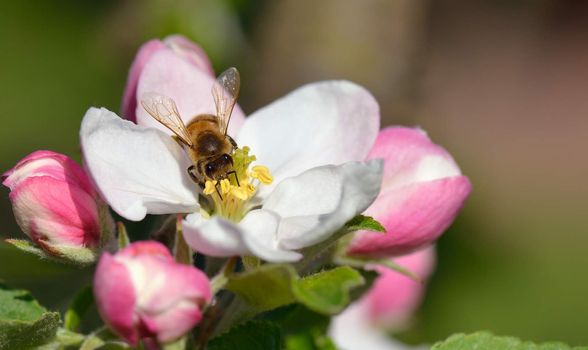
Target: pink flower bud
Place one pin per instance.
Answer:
(394, 297)
(141, 292)
(181, 46)
(55, 204)
(387, 306)
(422, 192)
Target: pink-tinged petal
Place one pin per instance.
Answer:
(173, 323)
(168, 74)
(394, 297)
(47, 163)
(316, 203)
(149, 248)
(414, 217)
(410, 157)
(56, 212)
(55, 204)
(329, 122)
(129, 104)
(171, 296)
(138, 170)
(422, 192)
(116, 297)
(189, 51)
(168, 297)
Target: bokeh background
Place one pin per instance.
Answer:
(501, 84)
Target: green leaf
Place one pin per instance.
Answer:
(272, 286)
(362, 222)
(265, 288)
(327, 292)
(312, 340)
(488, 341)
(253, 335)
(23, 322)
(80, 305)
(368, 263)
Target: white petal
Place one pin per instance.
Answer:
(262, 228)
(215, 236)
(254, 235)
(138, 170)
(314, 204)
(330, 122)
(353, 330)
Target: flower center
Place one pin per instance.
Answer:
(231, 195)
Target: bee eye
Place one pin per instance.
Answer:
(209, 169)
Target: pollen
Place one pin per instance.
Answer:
(209, 187)
(231, 195)
(226, 186)
(262, 173)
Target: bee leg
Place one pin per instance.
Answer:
(216, 187)
(192, 172)
(232, 142)
(236, 177)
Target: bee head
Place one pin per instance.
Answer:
(218, 168)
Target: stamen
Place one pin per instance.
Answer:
(231, 200)
(225, 186)
(209, 187)
(240, 193)
(262, 173)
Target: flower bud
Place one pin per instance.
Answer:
(141, 292)
(55, 204)
(394, 297)
(180, 46)
(387, 307)
(422, 191)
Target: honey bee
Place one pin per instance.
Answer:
(208, 144)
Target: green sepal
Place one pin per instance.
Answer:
(363, 222)
(122, 236)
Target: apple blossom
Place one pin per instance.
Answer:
(386, 307)
(307, 181)
(422, 192)
(307, 173)
(56, 206)
(141, 292)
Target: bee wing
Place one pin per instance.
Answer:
(225, 91)
(165, 111)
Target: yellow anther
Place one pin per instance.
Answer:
(262, 173)
(225, 186)
(240, 193)
(250, 189)
(209, 187)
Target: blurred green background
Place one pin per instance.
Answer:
(501, 84)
